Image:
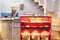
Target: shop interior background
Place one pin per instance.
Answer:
(10, 31)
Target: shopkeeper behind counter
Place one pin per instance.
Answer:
(20, 11)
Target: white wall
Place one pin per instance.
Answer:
(6, 6)
(0, 7)
(30, 6)
(52, 5)
(58, 12)
(49, 5)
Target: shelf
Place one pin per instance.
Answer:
(35, 24)
(36, 0)
(6, 19)
(38, 22)
(42, 28)
(41, 5)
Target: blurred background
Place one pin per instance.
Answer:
(9, 28)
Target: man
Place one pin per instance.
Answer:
(20, 11)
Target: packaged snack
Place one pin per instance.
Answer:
(25, 35)
(44, 35)
(35, 35)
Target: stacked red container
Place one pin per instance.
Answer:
(35, 28)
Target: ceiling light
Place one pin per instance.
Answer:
(53, 0)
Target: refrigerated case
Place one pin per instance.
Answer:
(35, 28)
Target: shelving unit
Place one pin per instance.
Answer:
(31, 24)
(41, 4)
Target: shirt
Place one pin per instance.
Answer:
(20, 12)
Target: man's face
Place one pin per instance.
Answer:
(21, 6)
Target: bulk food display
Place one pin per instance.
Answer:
(25, 35)
(35, 28)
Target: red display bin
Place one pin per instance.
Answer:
(35, 28)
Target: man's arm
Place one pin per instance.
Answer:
(15, 13)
